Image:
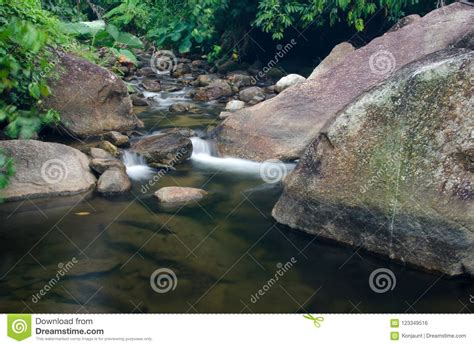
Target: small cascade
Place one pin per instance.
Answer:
(165, 99)
(136, 166)
(204, 156)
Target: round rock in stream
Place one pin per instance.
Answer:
(174, 195)
(168, 148)
(113, 181)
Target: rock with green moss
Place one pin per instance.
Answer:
(393, 173)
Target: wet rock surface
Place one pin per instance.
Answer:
(389, 174)
(304, 108)
(91, 99)
(45, 170)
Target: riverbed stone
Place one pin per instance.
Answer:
(139, 101)
(113, 181)
(179, 195)
(205, 79)
(152, 85)
(101, 165)
(165, 148)
(393, 173)
(146, 71)
(116, 138)
(181, 69)
(45, 170)
(183, 107)
(240, 80)
(288, 81)
(97, 153)
(282, 127)
(215, 90)
(234, 105)
(90, 99)
(108, 147)
(252, 95)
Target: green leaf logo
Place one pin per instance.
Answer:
(19, 326)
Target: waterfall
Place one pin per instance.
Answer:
(204, 156)
(136, 166)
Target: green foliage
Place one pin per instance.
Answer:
(7, 169)
(275, 16)
(132, 14)
(28, 35)
(193, 25)
(199, 24)
(214, 54)
(68, 10)
(98, 34)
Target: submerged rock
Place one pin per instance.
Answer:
(283, 126)
(91, 99)
(113, 181)
(179, 195)
(168, 148)
(45, 170)
(393, 173)
(287, 81)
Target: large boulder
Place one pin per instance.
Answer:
(337, 55)
(45, 170)
(164, 149)
(90, 99)
(284, 125)
(393, 174)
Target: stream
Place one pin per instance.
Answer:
(225, 251)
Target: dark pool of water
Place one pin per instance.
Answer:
(222, 251)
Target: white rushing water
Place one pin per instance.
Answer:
(204, 156)
(166, 99)
(136, 166)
